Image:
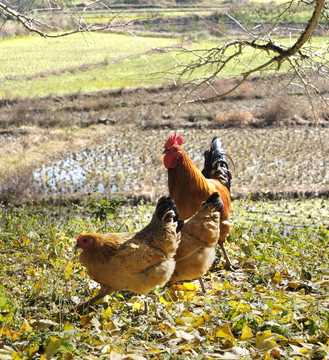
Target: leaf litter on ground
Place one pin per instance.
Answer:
(275, 306)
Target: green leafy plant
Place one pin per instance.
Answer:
(102, 209)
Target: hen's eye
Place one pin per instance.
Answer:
(85, 240)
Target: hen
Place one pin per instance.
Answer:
(189, 187)
(196, 251)
(137, 261)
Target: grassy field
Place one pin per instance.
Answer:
(67, 64)
(247, 12)
(84, 63)
(91, 62)
(142, 14)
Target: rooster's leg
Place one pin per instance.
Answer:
(102, 292)
(228, 264)
(225, 227)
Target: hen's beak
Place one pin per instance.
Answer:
(77, 247)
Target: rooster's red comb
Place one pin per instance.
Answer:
(173, 139)
(80, 236)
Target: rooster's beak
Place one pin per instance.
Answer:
(165, 151)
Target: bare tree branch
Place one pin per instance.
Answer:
(277, 54)
(36, 26)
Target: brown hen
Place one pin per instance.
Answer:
(137, 261)
(196, 251)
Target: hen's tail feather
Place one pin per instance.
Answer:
(216, 201)
(166, 210)
(215, 164)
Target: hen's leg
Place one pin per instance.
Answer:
(202, 285)
(146, 306)
(104, 290)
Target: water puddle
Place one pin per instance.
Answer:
(97, 170)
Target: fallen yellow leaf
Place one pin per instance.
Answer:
(26, 327)
(107, 313)
(201, 320)
(246, 332)
(179, 321)
(268, 357)
(53, 346)
(293, 284)
(227, 286)
(68, 326)
(153, 350)
(162, 300)
(15, 356)
(137, 306)
(69, 270)
(265, 340)
(109, 325)
(31, 272)
(33, 349)
(85, 320)
(303, 350)
(166, 327)
(277, 278)
(225, 332)
(190, 286)
(7, 332)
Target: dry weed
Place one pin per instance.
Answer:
(277, 111)
(235, 118)
(248, 90)
(316, 115)
(20, 114)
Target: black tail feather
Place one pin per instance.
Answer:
(215, 164)
(180, 225)
(166, 209)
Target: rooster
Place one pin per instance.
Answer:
(135, 261)
(196, 251)
(189, 187)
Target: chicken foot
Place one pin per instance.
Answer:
(202, 285)
(228, 264)
(105, 290)
(146, 307)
